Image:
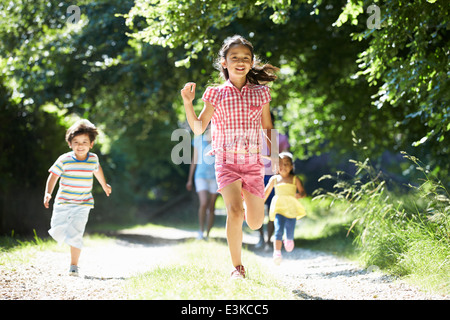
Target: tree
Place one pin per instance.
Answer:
(407, 60)
(123, 63)
(388, 85)
(56, 69)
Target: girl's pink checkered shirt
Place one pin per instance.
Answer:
(236, 122)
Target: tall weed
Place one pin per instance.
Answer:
(408, 232)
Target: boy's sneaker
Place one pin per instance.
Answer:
(289, 245)
(238, 273)
(73, 271)
(277, 257)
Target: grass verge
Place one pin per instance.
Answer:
(403, 231)
(202, 271)
(15, 251)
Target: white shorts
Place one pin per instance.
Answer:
(68, 223)
(209, 185)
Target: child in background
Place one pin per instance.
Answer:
(74, 198)
(237, 109)
(283, 145)
(285, 208)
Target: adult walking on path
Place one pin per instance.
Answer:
(202, 172)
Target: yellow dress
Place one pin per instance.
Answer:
(285, 203)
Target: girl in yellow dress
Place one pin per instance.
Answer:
(285, 208)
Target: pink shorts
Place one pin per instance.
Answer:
(245, 167)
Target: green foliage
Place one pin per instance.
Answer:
(29, 143)
(194, 25)
(389, 85)
(406, 233)
(144, 172)
(53, 70)
(314, 93)
(407, 60)
(123, 64)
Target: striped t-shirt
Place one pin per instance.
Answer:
(76, 178)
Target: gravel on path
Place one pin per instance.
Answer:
(315, 275)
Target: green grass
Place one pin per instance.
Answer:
(426, 264)
(325, 228)
(15, 251)
(405, 232)
(202, 271)
(202, 268)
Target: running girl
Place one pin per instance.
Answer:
(236, 110)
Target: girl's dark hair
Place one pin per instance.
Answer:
(82, 126)
(259, 74)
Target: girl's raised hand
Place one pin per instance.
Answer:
(188, 92)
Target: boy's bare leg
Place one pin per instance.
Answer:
(74, 256)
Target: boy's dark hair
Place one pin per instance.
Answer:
(82, 126)
(258, 74)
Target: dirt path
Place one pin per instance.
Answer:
(314, 275)
(102, 274)
(308, 274)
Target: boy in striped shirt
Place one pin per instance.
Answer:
(74, 199)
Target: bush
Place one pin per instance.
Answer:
(405, 233)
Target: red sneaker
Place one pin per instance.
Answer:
(238, 273)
